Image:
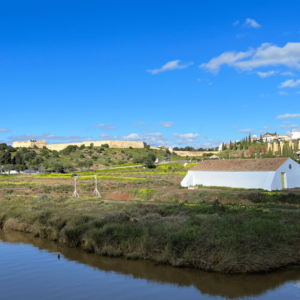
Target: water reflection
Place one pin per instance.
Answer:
(213, 284)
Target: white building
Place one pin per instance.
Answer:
(268, 174)
(295, 134)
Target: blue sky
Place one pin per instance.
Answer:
(164, 72)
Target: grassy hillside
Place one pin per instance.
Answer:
(75, 158)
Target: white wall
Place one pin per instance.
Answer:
(268, 180)
(292, 175)
(295, 135)
(247, 180)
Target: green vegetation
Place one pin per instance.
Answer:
(74, 158)
(228, 238)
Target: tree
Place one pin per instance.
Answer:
(89, 163)
(3, 146)
(5, 158)
(81, 165)
(148, 162)
(19, 168)
(18, 159)
(8, 168)
(258, 153)
(55, 154)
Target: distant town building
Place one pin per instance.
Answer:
(295, 134)
(268, 174)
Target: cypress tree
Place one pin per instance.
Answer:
(258, 153)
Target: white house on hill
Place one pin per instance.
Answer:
(268, 174)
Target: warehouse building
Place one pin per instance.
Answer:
(268, 174)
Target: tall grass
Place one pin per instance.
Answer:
(209, 236)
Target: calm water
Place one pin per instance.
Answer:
(30, 269)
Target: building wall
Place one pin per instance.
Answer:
(247, 180)
(112, 144)
(270, 180)
(194, 153)
(295, 135)
(292, 175)
(29, 144)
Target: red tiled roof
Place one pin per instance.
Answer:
(265, 164)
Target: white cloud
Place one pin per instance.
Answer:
(297, 92)
(266, 74)
(263, 56)
(104, 126)
(199, 79)
(234, 126)
(165, 124)
(183, 139)
(236, 23)
(171, 65)
(266, 127)
(240, 35)
(288, 116)
(4, 130)
(251, 23)
(281, 93)
(289, 83)
(285, 122)
(246, 130)
(288, 73)
(287, 126)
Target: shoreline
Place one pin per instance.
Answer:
(208, 236)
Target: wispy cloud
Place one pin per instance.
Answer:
(184, 139)
(286, 122)
(234, 126)
(263, 56)
(104, 126)
(246, 130)
(282, 93)
(288, 116)
(289, 83)
(107, 137)
(236, 23)
(266, 127)
(4, 130)
(164, 124)
(287, 126)
(288, 73)
(251, 23)
(171, 65)
(266, 74)
(138, 123)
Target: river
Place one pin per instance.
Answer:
(31, 269)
